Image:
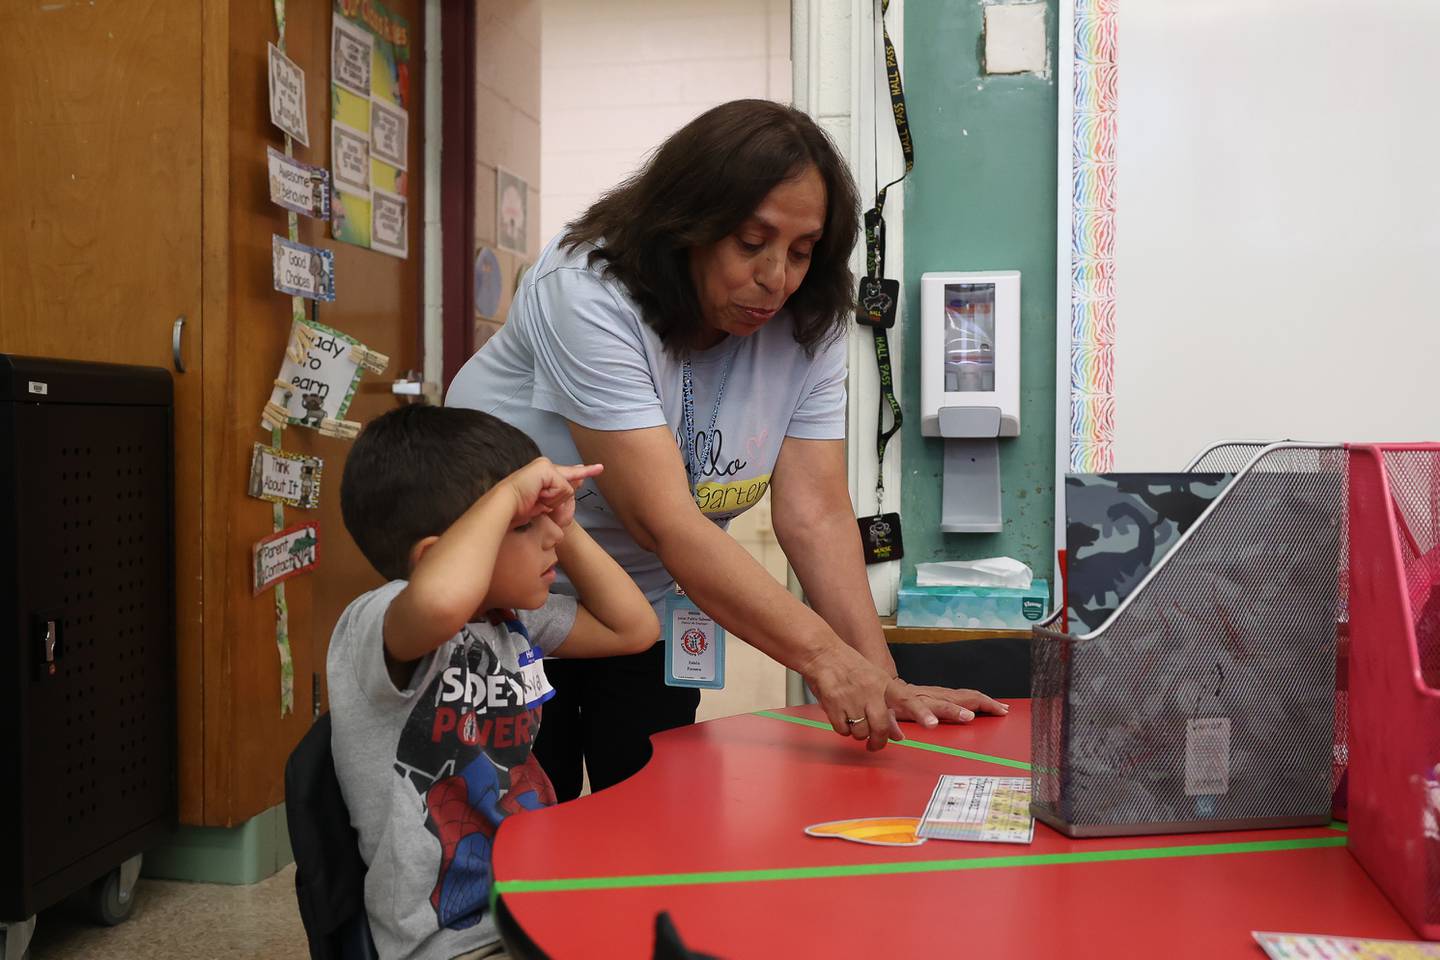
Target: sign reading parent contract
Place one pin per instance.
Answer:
(282, 555)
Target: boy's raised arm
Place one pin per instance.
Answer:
(613, 617)
(451, 576)
(449, 581)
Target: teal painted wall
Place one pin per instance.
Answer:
(981, 197)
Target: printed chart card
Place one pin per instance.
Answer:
(289, 478)
(302, 271)
(389, 226)
(298, 186)
(287, 96)
(389, 128)
(350, 158)
(283, 555)
(1301, 946)
(350, 49)
(986, 809)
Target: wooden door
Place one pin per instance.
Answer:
(100, 215)
(378, 301)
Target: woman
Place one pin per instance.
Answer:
(688, 332)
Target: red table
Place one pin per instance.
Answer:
(712, 831)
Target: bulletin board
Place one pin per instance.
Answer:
(1248, 226)
(369, 126)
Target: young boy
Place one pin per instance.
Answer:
(435, 678)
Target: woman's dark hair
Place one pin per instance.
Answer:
(697, 188)
(415, 470)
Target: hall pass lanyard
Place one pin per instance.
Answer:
(878, 301)
(694, 642)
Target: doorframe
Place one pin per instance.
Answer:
(852, 104)
(457, 188)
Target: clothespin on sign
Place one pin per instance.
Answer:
(371, 360)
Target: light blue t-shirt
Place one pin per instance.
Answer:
(575, 348)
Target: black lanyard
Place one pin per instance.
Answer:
(878, 296)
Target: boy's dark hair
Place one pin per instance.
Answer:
(697, 188)
(415, 470)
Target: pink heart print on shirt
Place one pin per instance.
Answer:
(755, 446)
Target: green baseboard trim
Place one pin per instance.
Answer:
(249, 853)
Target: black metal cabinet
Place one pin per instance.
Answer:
(87, 630)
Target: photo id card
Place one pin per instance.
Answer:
(694, 646)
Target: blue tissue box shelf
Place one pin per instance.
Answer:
(983, 608)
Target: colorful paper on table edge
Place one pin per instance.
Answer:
(1305, 946)
(997, 825)
(389, 82)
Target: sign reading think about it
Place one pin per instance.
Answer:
(282, 477)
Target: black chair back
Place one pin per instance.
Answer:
(329, 873)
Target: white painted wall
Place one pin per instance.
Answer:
(1277, 234)
(618, 77)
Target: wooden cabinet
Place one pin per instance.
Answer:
(133, 194)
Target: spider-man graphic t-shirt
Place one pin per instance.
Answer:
(429, 771)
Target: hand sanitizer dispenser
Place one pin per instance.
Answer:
(970, 386)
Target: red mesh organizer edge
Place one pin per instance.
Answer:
(1394, 674)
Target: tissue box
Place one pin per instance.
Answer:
(985, 608)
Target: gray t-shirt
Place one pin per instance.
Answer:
(575, 348)
(428, 772)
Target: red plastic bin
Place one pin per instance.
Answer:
(1394, 772)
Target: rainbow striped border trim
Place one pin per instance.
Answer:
(1092, 238)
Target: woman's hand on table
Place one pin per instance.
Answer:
(853, 693)
(943, 703)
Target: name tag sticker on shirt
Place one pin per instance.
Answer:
(694, 646)
(533, 679)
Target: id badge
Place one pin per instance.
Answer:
(880, 536)
(533, 680)
(694, 645)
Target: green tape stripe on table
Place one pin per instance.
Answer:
(561, 885)
(913, 744)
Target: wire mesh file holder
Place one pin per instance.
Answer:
(1206, 700)
(1394, 776)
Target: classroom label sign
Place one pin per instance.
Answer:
(282, 477)
(319, 374)
(389, 229)
(389, 127)
(350, 156)
(302, 271)
(298, 186)
(351, 46)
(283, 555)
(287, 96)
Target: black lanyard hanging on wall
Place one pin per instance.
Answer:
(878, 299)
